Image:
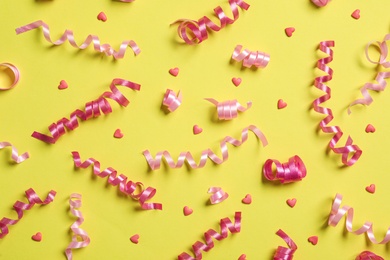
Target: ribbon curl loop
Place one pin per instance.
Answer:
(249, 58)
(284, 253)
(172, 101)
(291, 171)
(218, 196)
(228, 110)
(15, 72)
(15, 155)
(367, 255)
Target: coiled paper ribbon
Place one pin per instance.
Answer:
(19, 207)
(227, 110)
(155, 163)
(92, 109)
(15, 155)
(68, 35)
(283, 253)
(320, 3)
(367, 255)
(225, 225)
(171, 101)
(250, 58)
(126, 187)
(218, 196)
(349, 148)
(338, 213)
(291, 171)
(80, 238)
(195, 32)
(15, 72)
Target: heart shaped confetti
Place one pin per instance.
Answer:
(118, 133)
(63, 85)
(197, 129)
(370, 129)
(313, 240)
(236, 81)
(291, 202)
(356, 14)
(187, 211)
(37, 237)
(102, 17)
(281, 104)
(371, 188)
(247, 199)
(134, 239)
(289, 31)
(242, 257)
(174, 71)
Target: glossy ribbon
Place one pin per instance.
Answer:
(250, 58)
(226, 225)
(291, 171)
(172, 101)
(349, 148)
(15, 155)
(338, 213)
(320, 3)
(68, 35)
(80, 238)
(155, 163)
(218, 196)
(126, 187)
(367, 255)
(195, 32)
(15, 72)
(92, 109)
(228, 110)
(19, 207)
(284, 253)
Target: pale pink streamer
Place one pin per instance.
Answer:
(218, 195)
(172, 101)
(80, 237)
(155, 163)
(249, 58)
(15, 155)
(68, 35)
(284, 253)
(367, 255)
(320, 3)
(228, 110)
(15, 72)
(338, 213)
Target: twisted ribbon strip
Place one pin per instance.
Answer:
(15, 155)
(367, 255)
(92, 109)
(320, 3)
(218, 196)
(250, 58)
(155, 163)
(68, 35)
(291, 171)
(80, 238)
(227, 110)
(283, 253)
(195, 32)
(337, 213)
(15, 72)
(19, 207)
(126, 187)
(171, 101)
(349, 148)
(225, 225)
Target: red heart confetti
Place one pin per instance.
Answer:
(197, 129)
(370, 128)
(356, 14)
(174, 71)
(187, 211)
(102, 17)
(242, 257)
(289, 31)
(37, 237)
(134, 239)
(281, 104)
(371, 188)
(63, 85)
(313, 240)
(236, 81)
(291, 202)
(118, 133)
(247, 199)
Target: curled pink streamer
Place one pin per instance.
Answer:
(80, 237)
(338, 213)
(284, 253)
(291, 171)
(349, 148)
(225, 225)
(218, 196)
(367, 255)
(251, 58)
(228, 110)
(126, 187)
(155, 163)
(68, 35)
(320, 3)
(195, 32)
(92, 109)
(172, 101)
(15, 155)
(19, 207)
(15, 72)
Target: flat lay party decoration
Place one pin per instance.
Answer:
(15, 74)
(172, 101)
(195, 32)
(250, 58)
(15, 155)
(225, 225)
(80, 237)
(218, 195)
(128, 188)
(320, 3)
(20, 207)
(284, 253)
(367, 255)
(337, 213)
(228, 110)
(155, 163)
(92, 109)
(350, 153)
(292, 171)
(68, 35)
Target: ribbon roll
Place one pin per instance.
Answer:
(218, 196)
(195, 32)
(227, 110)
(15, 155)
(15, 74)
(291, 171)
(68, 35)
(320, 3)
(250, 58)
(80, 238)
(284, 253)
(226, 225)
(172, 101)
(367, 255)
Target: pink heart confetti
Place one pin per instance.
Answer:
(187, 211)
(247, 199)
(63, 85)
(118, 133)
(102, 17)
(242, 257)
(289, 31)
(174, 71)
(370, 129)
(313, 240)
(356, 14)
(291, 202)
(371, 188)
(134, 239)
(236, 81)
(281, 104)
(37, 237)
(197, 129)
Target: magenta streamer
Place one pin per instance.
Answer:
(367, 255)
(249, 58)
(291, 171)
(15, 155)
(284, 253)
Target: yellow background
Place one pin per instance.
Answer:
(205, 71)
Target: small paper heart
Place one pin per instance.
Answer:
(37, 237)
(236, 81)
(291, 202)
(197, 129)
(174, 71)
(118, 133)
(281, 104)
(247, 199)
(356, 14)
(313, 240)
(102, 17)
(289, 31)
(371, 188)
(242, 257)
(63, 85)
(134, 238)
(370, 128)
(187, 211)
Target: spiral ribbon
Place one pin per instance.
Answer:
(218, 196)
(367, 255)
(228, 110)
(225, 225)
(349, 148)
(80, 238)
(15, 155)
(155, 163)
(195, 32)
(337, 214)
(126, 187)
(320, 3)
(172, 101)
(92, 109)
(15, 72)
(291, 171)
(19, 207)
(250, 58)
(284, 253)
(68, 35)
